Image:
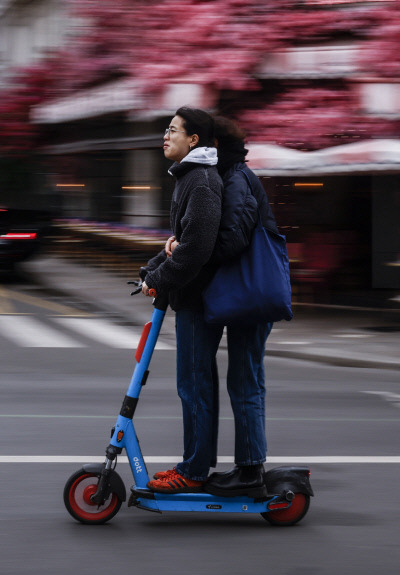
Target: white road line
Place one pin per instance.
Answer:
(393, 398)
(59, 416)
(106, 333)
(327, 459)
(354, 335)
(28, 332)
(290, 342)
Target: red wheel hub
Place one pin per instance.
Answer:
(82, 507)
(88, 492)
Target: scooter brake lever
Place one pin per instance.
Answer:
(136, 283)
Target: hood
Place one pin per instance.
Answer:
(206, 156)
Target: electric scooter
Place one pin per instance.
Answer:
(94, 494)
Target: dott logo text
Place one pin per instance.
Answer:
(138, 467)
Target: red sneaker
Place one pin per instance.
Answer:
(175, 483)
(164, 474)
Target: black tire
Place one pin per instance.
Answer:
(77, 491)
(289, 515)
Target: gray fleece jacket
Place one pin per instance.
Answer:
(195, 218)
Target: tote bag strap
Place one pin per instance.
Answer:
(251, 189)
(247, 178)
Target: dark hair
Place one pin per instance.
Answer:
(226, 130)
(198, 122)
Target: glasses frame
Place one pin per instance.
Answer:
(169, 131)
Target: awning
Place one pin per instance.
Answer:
(369, 156)
(119, 96)
(123, 96)
(149, 142)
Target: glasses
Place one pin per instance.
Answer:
(170, 131)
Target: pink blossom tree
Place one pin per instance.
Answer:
(219, 44)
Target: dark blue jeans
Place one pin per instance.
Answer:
(197, 381)
(246, 387)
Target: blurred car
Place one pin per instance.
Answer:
(21, 234)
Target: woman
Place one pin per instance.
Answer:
(195, 219)
(246, 344)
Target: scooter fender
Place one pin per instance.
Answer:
(116, 484)
(282, 479)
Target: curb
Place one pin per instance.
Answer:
(330, 359)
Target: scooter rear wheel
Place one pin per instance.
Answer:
(77, 492)
(291, 514)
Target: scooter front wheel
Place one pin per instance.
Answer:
(289, 514)
(77, 499)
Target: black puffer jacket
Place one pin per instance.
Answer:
(239, 212)
(195, 219)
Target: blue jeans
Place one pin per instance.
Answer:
(246, 387)
(197, 381)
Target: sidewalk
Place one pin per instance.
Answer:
(338, 335)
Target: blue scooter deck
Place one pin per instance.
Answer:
(146, 499)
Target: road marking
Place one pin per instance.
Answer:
(6, 305)
(107, 333)
(353, 335)
(42, 303)
(324, 459)
(179, 417)
(290, 342)
(27, 332)
(389, 396)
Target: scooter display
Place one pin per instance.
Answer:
(94, 494)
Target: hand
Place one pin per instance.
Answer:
(145, 289)
(168, 246)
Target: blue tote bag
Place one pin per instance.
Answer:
(253, 288)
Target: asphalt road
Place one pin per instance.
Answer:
(60, 398)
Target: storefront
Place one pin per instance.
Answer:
(104, 152)
(339, 209)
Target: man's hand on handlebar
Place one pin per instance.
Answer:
(144, 288)
(150, 292)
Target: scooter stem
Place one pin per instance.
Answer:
(123, 434)
(147, 344)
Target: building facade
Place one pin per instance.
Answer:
(29, 30)
(338, 205)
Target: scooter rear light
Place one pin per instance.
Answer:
(19, 236)
(282, 505)
(142, 342)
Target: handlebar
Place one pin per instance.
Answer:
(152, 291)
(159, 301)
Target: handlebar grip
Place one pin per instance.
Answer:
(152, 292)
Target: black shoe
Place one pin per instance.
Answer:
(247, 480)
